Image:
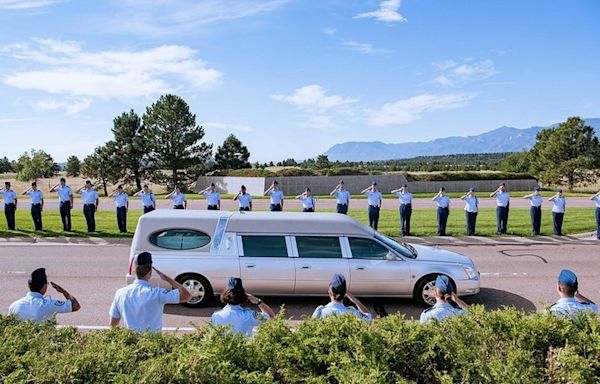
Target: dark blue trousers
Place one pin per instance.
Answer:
(36, 215)
(405, 213)
(89, 211)
(536, 220)
(148, 208)
(342, 208)
(275, 207)
(471, 222)
(502, 219)
(598, 223)
(65, 215)
(122, 219)
(9, 212)
(557, 219)
(442, 219)
(373, 216)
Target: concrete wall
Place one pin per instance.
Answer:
(322, 185)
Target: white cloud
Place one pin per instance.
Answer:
(321, 122)
(169, 17)
(71, 107)
(405, 111)
(64, 68)
(387, 12)
(228, 127)
(27, 4)
(313, 97)
(454, 74)
(366, 48)
(329, 31)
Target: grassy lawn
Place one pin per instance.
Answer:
(423, 223)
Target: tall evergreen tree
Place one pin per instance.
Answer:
(101, 167)
(5, 165)
(73, 167)
(232, 154)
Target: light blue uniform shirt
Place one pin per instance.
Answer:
(242, 320)
(9, 196)
(178, 198)
(141, 305)
(374, 198)
(212, 198)
(536, 200)
(442, 201)
(121, 199)
(571, 307)
(471, 204)
(439, 312)
(559, 205)
(338, 309)
(342, 196)
(597, 201)
(35, 197)
(38, 308)
(244, 200)
(147, 198)
(276, 196)
(502, 199)
(89, 196)
(307, 202)
(404, 198)
(64, 193)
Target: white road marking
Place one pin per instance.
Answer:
(504, 274)
(105, 327)
(12, 273)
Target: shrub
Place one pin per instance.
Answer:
(450, 176)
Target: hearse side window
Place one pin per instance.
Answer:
(367, 249)
(180, 239)
(264, 246)
(319, 247)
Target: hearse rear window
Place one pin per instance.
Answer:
(180, 239)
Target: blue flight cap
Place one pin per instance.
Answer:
(234, 284)
(341, 181)
(559, 190)
(567, 277)
(442, 282)
(38, 277)
(338, 284)
(275, 182)
(537, 188)
(404, 185)
(471, 189)
(443, 189)
(143, 258)
(373, 182)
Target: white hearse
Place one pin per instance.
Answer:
(291, 254)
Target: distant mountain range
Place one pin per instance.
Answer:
(503, 139)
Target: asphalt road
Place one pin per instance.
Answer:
(295, 205)
(515, 275)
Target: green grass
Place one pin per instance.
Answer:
(423, 223)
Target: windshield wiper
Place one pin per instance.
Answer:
(411, 249)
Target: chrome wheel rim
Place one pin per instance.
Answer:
(428, 293)
(196, 289)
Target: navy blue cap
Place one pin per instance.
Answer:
(537, 188)
(373, 182)
(442, 282)
(38, 277)
(567, 277)
(143, 258)
(338, 284)
(341, 181)
(234, 284)
(471, 189)
(404, 185)
(443, 189)
(275, 182)
(503, 184)
(559, 190)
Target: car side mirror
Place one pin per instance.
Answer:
(390, 256)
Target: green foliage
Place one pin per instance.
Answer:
(6, 165)
(349, 172)
(567, 153)
(73, 167)
(322, 161)
(518, 162)
(449, 176)
(34, 165)
(132, 146)
(232, 154)
(101, 167)
(176, 141)
(505, 346)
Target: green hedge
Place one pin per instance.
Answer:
(450, 176)
(505, 346)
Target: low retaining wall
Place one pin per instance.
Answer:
(322, 185)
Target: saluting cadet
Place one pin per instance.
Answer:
(571, 302)
(535, 211)
(596, 199)
(65, 201)
(10, 205)
(34, 306)
(213, 198)
(447, 303)
(122, 205)
(342, 197)
(374, 200)
(276, 195)
(36, 199)
(558, 211)
(141, 305)
(90, 204)
(177, 198)
(337, 293)
(443, 210)
(148, 199)
(471, 208)
(308, 200)
(502, 205)
(405, 199)
(244, 199)
(240, 319)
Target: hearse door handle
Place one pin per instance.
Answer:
(250, 265)
(360, 268)
(305, 267)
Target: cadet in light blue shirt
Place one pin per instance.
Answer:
(213, 198)
(502, 207)
(374, 200)
(405, 199)
(90, 204)
(558, 211)
(177, 198)
(471, 209)
(596, 199)
(241, 320)
(308, 200)
(36, 204)
(445, 297)
(10, 205)
(535, 211)
(122, 205)
(571, 302)
(38, 308)
(277, 197)
(148, 199)
(141, 305)
(65, 200)
(244, 199)
(342, 198)
(443, 210)
(338, 291)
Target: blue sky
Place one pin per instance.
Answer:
(290, 78)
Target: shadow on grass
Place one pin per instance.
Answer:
(21, 233)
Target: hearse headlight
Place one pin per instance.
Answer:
(471, 273)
